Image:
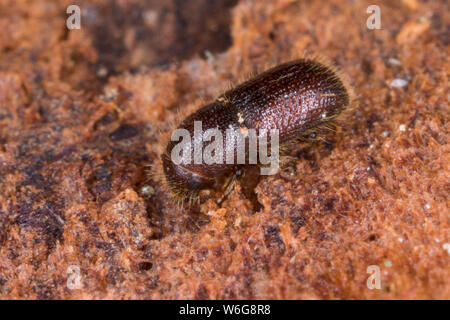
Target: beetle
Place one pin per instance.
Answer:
(295, 98)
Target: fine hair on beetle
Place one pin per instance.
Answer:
(250, 125)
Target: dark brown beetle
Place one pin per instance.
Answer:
(296, 97)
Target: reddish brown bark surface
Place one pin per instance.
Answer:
(81, 113)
